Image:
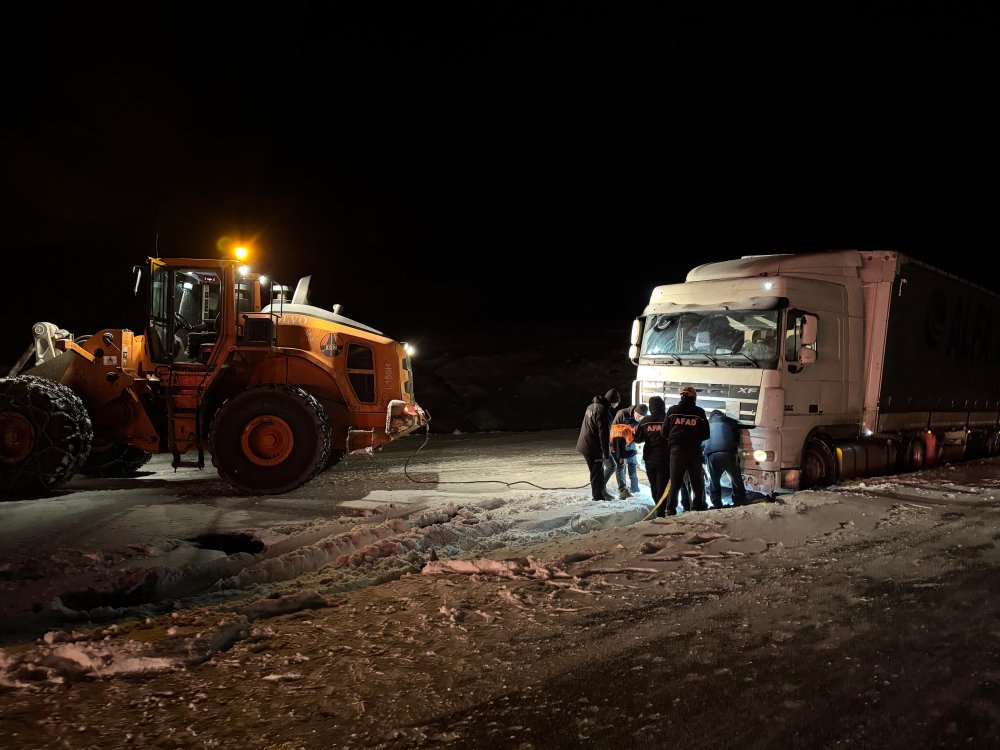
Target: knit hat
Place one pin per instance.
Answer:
(612, 397)
(641, 408)
(656, 405)
(689, 391)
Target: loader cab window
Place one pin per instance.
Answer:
(361, 372)
(244, 297)
(184, 304)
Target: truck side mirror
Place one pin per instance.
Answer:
(807, 339)
(636, 332)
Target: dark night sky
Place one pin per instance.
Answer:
(442, 167)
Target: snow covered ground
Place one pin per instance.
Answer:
(104, 549)
(367, 609)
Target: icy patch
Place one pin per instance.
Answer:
(65, 662)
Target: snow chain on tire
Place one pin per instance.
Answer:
(62, 434)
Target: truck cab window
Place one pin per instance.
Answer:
(795, 327)
(721, 336)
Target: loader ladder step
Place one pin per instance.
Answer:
(199, 464)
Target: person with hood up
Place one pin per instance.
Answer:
(594, 443)
(686, 428)
(722, 454)
(623, 448)
(655, 454)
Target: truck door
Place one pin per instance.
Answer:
(814, 384)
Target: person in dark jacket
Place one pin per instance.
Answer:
(686, 428)
(722, 454)
(624, 454)
(655, 454)
(594, 443)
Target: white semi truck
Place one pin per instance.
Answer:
(839, 364)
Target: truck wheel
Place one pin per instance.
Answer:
(270, 439)
(114, 459)
(819, 465)
(45, 435)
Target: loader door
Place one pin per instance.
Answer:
(184, 307)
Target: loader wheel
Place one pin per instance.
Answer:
(819, 466)
(336, 456)
(270, 439)
(45, 435)
(114, 459)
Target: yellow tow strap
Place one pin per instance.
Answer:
(666, 491)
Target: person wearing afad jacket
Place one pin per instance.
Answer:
(655, 453)
(594, 443)
(686, 428)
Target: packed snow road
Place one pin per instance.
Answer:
(861, 616)
(104, 549)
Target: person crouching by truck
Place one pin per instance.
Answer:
(623, 452)
(686, 427)
(594, 443)
(722, 454)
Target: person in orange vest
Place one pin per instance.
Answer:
(624, 455)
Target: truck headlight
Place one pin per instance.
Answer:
(761, 456)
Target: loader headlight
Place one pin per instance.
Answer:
(401, 416)
(410, 351)
(761, 456)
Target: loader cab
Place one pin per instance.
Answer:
(194, 304)
(184, 313)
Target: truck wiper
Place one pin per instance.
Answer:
(754, 361)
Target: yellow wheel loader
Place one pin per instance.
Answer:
(275, 393)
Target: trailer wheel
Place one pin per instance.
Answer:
(993, 444)
(45, 435)
(114, 459)
(270, 439)
(819, 465)
(915, 458)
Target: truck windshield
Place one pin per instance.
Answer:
(711, 335)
